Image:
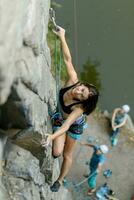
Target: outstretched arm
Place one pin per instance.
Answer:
(77, 112)
(87, 144)
(67, 56)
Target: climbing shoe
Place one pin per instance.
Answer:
(55, 187)
(91, 191)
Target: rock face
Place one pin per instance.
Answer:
(26, 89)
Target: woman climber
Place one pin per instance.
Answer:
(76, 99)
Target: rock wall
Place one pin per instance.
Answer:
(26, 90)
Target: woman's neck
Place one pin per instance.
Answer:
(68, 97)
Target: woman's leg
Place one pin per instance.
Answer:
(58, 145)
(66, 164)
(67, 157)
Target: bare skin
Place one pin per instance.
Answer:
(62, 143)
(116, 111)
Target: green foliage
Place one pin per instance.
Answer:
(55, 5)
(90, 73)
(55, 50)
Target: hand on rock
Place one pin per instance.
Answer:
(46, 140)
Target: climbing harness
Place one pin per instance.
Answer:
(76, 128)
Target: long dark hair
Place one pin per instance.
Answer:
(89, 104)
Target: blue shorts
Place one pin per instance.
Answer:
(76, 129)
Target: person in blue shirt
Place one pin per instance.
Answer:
(96, 162)
(119, 119)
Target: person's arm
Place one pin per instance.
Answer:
(121, 124)
(77, 112)
(67, 56)
(113, 117)
(87, 144)
(99, 168)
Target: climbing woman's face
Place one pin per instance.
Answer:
(81, 92)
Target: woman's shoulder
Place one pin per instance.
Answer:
(78, 108)
(71, 83)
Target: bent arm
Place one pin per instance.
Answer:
(77, 112)
(86, 144)
(113, 117)
(121, 124)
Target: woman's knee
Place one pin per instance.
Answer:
(57, 152)
(58, 146)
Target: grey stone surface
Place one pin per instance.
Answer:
(27, 92)
(3, 139)
(11, 39)
(22, 177)
(23, 45)
(21, 163)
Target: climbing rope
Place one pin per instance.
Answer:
(56, 63)
(75, 32)
(57, 71)
(83, 181)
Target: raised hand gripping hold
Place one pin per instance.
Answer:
(60, 32)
